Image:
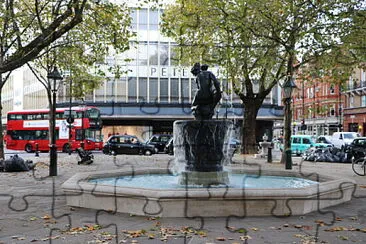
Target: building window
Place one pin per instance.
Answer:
(143, 19)
(185, 90)
(132, 89)
(363, 101)
(153, 20)
(143, 89)
(351, 101)
(332, 111)
(133, 15)
(174, 90)
(164, 89)
(153, 89)
(331, 89)
(164, 54)
(142, 55)
(153, 54)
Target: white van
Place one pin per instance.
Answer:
(341, 139)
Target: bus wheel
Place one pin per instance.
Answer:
(28, 148)
(66, 147)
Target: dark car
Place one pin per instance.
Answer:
(169, 147)
(234, 146)
(159, 141)
(357, 148)
(126, 144)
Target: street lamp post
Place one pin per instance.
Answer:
(53, 78)
(70, 118)
(288, 87)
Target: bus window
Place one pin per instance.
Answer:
(15, 117)
(92, 113)
(42, 134)
(79, 114)
(79, 135)
(67, 113)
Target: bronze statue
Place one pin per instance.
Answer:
(208, 93)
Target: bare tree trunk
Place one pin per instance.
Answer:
(249, 128)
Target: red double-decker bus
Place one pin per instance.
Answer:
(29, 129)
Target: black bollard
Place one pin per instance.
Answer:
(70, 149)
(37, 152)
(269, 155)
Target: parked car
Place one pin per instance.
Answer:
(326, 141)
(126, 144)
(301, 143)
(357, 148)
(98, 144)
(234, 146)
(169, 147)
(159, 141)
(342, 139)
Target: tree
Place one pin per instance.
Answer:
(27, 27)
(79, 50)
(260, 42)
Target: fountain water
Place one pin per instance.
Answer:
(203, 149)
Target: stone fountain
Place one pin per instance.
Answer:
(201, 149)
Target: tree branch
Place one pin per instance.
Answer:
(50, 34)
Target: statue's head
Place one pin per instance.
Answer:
(196, 69)
(204, 67)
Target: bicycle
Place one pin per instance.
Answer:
(359, 166)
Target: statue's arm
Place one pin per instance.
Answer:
(216, 82)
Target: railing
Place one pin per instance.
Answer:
(355, 86)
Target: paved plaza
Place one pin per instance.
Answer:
(33, 210)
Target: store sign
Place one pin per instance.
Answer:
(162, 72)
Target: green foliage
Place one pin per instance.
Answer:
(264, 41)
(105, 30)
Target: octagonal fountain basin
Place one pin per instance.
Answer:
(117, 190)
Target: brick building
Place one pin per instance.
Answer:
(355, 103)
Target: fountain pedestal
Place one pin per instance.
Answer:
(202, 147)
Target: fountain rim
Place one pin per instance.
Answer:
(79, 182)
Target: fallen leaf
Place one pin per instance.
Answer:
(320, 222)
(336, 228)
(46, 217)
(286, 225)
(353, 218)
(344, 238)
(307, 227)
(246, 237)
(33, 218)
(339, 219)
(220, 238)
(254, 229)
(362, 186)
(242, 231)
(298, 226)
(202, 233)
